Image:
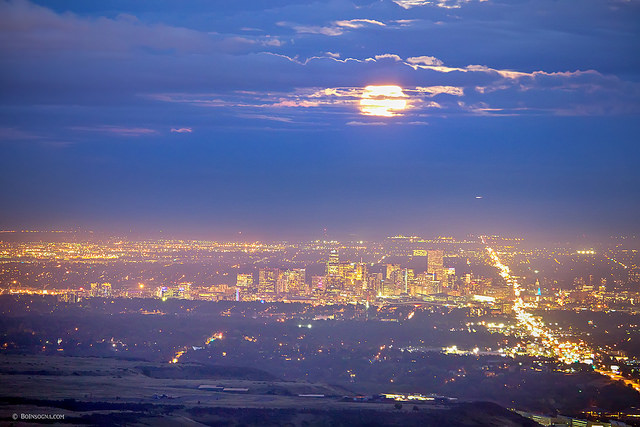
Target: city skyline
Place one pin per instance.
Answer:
(365, 119)
(549, 332)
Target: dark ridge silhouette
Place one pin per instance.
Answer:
(194, 372)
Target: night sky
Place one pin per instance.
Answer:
(210, 118)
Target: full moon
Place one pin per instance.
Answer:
(383, 101)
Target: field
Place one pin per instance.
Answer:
(89, 391)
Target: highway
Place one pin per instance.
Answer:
(563, 350)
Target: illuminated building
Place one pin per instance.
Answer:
(180, 291)
(333, 263)
(435, 264)
(334, 283)
(391, 268)
(102, 290)
(587, 287)
(244, 282)
(353, 276)
(292, 282)
(409, 279)
(421, 284)
(360, 278)
(267, 280)
(391, 276)
(317, 284)
(603, 285)
(217, 293)
(397, 280)
(449, 280)
(501, 293)
(69, 297)
(375, 284)
(346, 271)
(298, 281)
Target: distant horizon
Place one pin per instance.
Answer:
(133, 235)
(280, 120)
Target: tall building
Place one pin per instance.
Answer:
(375, 283)
(333, 265)
(360, 277)
(391, 268)
(435, 264)
(423, 284)
(267, 279)
(361, 271)
(396, 280)
(180, 291)
(449, 277)
(69, 297)
(409, 279)
(419, 260)
(244, 282)
(353, 276)
(292, 282)
(102, 290)
(318, 284)
(298, 281)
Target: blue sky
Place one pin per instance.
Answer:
(211, 118)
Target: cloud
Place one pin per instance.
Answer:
(266, 117)
(446, 4)
(335, 28)
(13, 134)
(116, 130)
(405, 22)
(508, 74)
(359, 23)
(432, 104)
(437, 90)
(424, 60)
(145, 62)
(181, 130)
(388, 56)
(359, 123)
(27, 27)
(484, 90)
(313, 29)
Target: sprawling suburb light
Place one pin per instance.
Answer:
(384, 101)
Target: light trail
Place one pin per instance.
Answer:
(183, 350)
(567, 351)
(617, 262)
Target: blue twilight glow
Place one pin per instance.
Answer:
(286, 117)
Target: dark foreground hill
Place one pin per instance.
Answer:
(119, 392)
(199, 372)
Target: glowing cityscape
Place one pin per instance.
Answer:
(320, 213)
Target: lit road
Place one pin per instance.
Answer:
(565, 351)
(619, 377)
